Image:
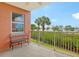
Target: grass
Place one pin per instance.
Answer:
(44, 44)
(61, 50)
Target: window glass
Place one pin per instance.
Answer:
(17, 22)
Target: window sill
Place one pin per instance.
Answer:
(17, 33)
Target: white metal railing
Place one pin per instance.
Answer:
(65, 40)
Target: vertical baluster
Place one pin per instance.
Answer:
(77, 42)
(64, 42)
(69, 38)
(68, 42)
(54, 40)
(63, 39)
(34, 35)
(71, 42)
(57, 40)
(51, 39)
(60, 40)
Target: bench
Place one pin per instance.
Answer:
(18, 40)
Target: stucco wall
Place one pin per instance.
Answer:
(5, 23)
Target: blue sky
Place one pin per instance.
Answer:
(60, 13)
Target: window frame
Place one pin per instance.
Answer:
(16, 23)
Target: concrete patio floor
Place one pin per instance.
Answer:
(33, 50)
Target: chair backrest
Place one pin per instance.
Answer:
(12, 37)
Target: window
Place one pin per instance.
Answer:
(17, 22)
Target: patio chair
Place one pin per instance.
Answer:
(18, 40)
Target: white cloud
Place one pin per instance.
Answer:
(76, 16)
(53, 20)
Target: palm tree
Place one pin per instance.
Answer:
(45, 21)
(33, 27)
(60, 27)
(69, 28)
(47, 28)
(42, 21)
(55, 28)
(38, 22)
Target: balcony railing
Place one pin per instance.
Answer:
(65, 40)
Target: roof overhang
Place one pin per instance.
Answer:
(28, 5)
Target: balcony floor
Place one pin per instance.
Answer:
(33, 50)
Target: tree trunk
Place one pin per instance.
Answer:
(38, 28)
(43, 27)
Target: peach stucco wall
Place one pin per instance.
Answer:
(5, 23)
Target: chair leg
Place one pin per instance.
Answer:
(12, 47)
(28, 42)
(21, 44)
